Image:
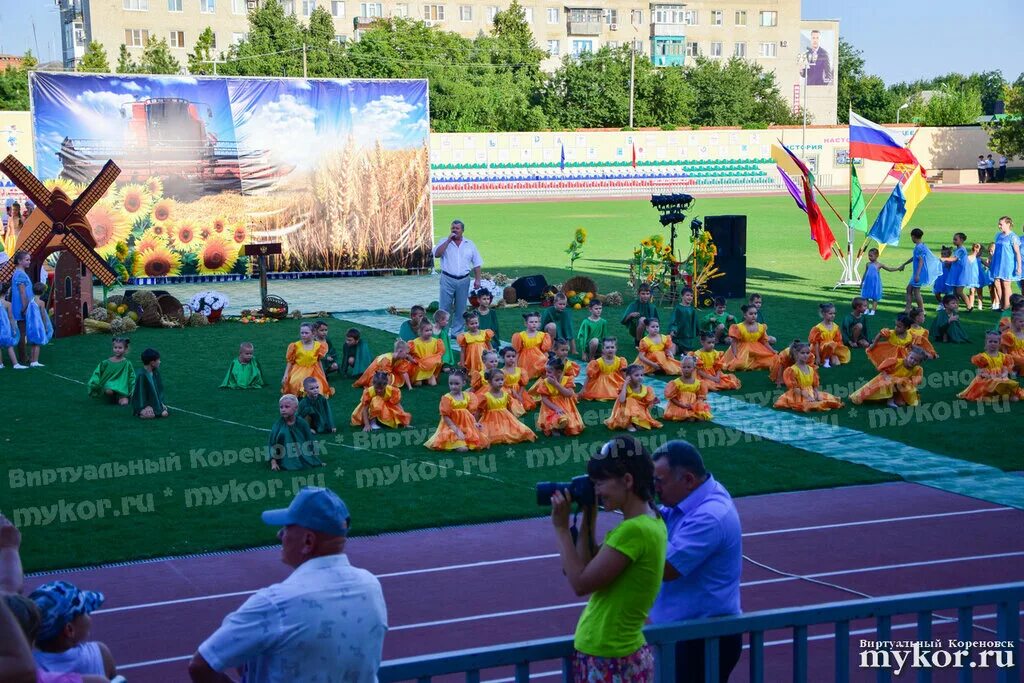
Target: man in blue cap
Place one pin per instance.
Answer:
(325, 622)
(62, 644)
(703, 559)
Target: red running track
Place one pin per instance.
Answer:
(473, 586)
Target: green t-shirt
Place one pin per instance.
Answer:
(612, 622)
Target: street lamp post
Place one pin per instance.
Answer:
(808, 60)
(902, 107)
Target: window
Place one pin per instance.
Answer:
(612, 44)
(581, 46)
(340, 39)
(768, 49)
(636, 17)
(528, 14)
(740, 50)
(307, 7)
(337, 9)
(373, 9)
(207, 6)
(135, 37)
(553, 15)
(236, 38)
(137, 5)
(401, 10)
(769, 18)
(492, 12)
(238, 7)
(690, 17)
(716, 50)
(288, 6)
(465, 13)
(213, 40)
(174, 6)
(716, 17)
(554, 47)
(670, 14)
(611, 16)
(692, 49)
(741, 17)
(177, 39)
(433, 12)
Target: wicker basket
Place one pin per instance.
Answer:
(275, 307)
(510, 296)
(580, 283)
(172, 309)
(151, 317)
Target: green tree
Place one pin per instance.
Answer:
(864, 93)
(273, 47)
(94, 60)
(14, 84)
(592, 91)
(157, 58)
(325, 56)
(125, 63)
(736, 93)
(851, 69)
(949, 106)
(1008, 133)
(202, 54)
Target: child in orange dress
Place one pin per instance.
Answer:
(427, 353)
(499, 423)
(532, 345)
(380, 406)
(515, 383)
(801, 378)
(632, 408)
(1012, 342)
(397, 365)
(478, 379)
(993, 379)
(750, 344)
(657, 351)
(473, 343)
(558, 413)
(782, 361)
(458, 430)
(687, 395)
(560, 348)
(919, 333)
(303, 359)
(896, 382)
(894, 343)
(604, 375)
(709, 365)
(826, 339)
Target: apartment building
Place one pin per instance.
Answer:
(769, 32)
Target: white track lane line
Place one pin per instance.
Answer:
(530, 558)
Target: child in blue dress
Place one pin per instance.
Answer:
(958, 278)
(8, 329)
(925, 267)
(940, 287)
(973, 278)
(38, 329)
(985, 279)
(871, 285)
(21, 292)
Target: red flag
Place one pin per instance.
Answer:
(634, 156)
(820, 232)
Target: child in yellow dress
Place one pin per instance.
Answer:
(473, 343)
(896, 382)
(687, 395)
(499, 423)
(803, 393)
(398, 365)
(894, 343)
(515, 383)
(380, 406)
(560, 348)
(458, 429)
(427, 353)
(303, 359)
(478, 378)
(532, 346)
(605, 375)
(993, 379)
(656, 351)
(709, 365)
(632, 408)
(919, 333)
(750, 344)
(1012, 342)
(826, 339)
(558, 413)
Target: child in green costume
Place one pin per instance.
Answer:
(756, 300)
(245, 371)
(442, 330)
(148, 397)
(355, 354)
(410, 329)
(946, 327)
(292, 444)
(592, 330)
(488, 316)
(330, 360)
(855, 325)
(683, 328)
(315, 409)
(638, 313)
(557, 321)
(718, 321)
(115, 376)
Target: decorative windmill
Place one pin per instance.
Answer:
(59, 224)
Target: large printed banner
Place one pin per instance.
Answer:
(16, 139)
(335, 170)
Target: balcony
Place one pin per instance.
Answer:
(659, 29)
(585, 28)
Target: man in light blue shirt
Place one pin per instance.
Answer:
(704, 556)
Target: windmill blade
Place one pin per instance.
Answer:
(28, 183)
(97, 188)
(93, 261)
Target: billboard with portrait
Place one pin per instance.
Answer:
(819, 53)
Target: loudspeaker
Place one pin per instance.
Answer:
(530, 288)
(729, 234)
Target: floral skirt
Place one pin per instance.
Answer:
(634, 668)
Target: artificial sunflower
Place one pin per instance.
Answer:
(218, 256)
(158, 262)
(164, 211)
(150, 240)
(134, 200)
(581, 235)
(219, 223)
(186, 238)
(155, 186)
(71, 189)
(109, 226)
(240, 235)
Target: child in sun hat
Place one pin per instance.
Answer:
(62, 643)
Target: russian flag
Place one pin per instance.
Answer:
(868, 140)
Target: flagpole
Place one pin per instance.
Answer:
(850, 276)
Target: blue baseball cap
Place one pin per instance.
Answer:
(314, 508)
(59, 602)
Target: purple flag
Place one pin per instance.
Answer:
(793, 189)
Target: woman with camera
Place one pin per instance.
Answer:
(623, 576)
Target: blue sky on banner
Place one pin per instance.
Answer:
(295, 120)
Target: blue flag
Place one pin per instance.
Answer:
(887, 227)
(561, 163)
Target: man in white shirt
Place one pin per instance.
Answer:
(982, 166)
(324, 623)
(458, 257)
(1002, 168)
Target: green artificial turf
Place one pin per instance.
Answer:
(50, 423)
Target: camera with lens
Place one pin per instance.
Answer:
(580, 488)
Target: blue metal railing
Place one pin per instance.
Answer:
(1005, 597)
